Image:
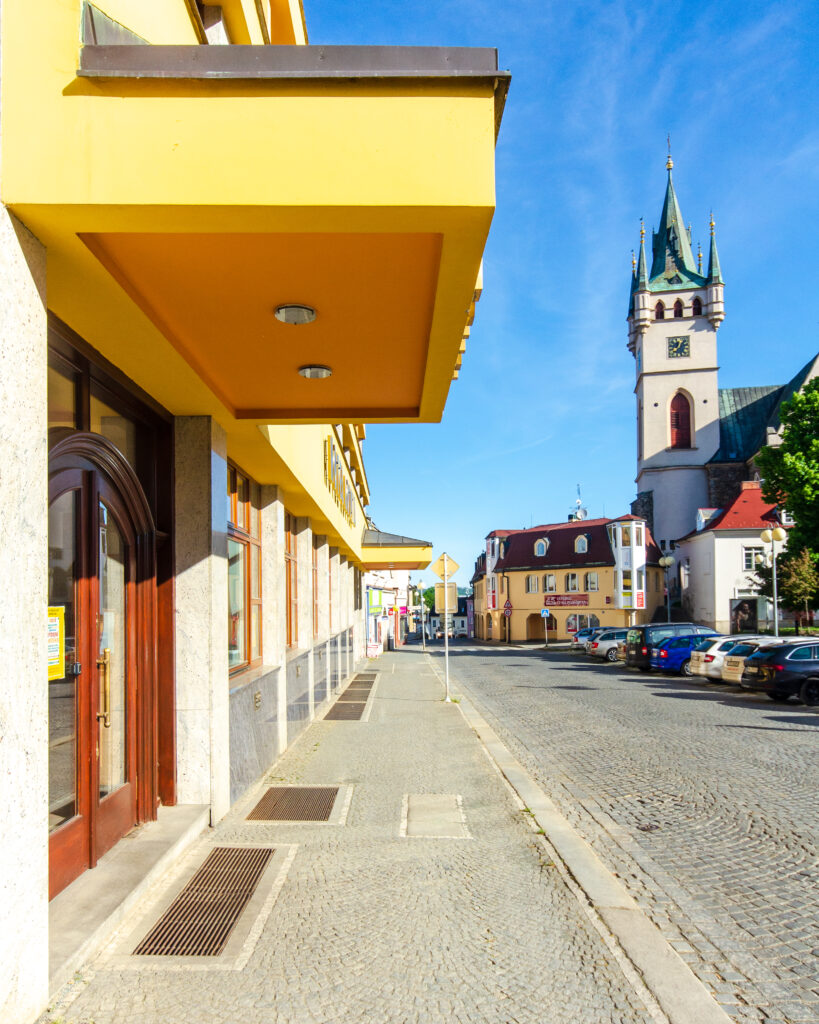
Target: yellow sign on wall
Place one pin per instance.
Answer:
(335, 476)
(56, 642)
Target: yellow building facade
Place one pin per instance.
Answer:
(564, 577)
(206, 222)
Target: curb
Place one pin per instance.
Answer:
(681, 996)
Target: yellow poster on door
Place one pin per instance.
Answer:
(56, 642)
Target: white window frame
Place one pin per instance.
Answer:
(592, 582)
(531, 583)
(549, 583)
(571, 583)
(581, 544)
(749, 553)
(543, 543)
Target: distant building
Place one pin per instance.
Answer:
(696, 442)
(598, 572)
(718, 563)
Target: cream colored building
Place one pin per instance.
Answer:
(600, 572)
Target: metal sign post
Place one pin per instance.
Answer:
(423, 631)
(446, 628)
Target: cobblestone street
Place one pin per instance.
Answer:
(372, 926)
(703, 801)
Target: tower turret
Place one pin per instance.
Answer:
(715, 303)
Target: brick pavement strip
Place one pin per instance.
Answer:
(372, 926)
(703, 802)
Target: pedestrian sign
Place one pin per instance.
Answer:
(451, 566)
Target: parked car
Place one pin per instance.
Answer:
(580, 637)
(707, 657)
(734, 663)
(673, 654)
(640, 639)
(783, 671)
(604, 645)
(594, 635)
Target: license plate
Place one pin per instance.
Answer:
(653, 651)
(751, 669)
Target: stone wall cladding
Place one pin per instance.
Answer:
(725, 482)
(298, 695)
(643, 506)
(254, 731)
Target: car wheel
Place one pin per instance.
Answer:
(809, 693)
(779, 698)
(685, 668)
(611, 654)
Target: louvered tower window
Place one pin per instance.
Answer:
(680, 422)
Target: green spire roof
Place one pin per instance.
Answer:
(714, 272)
(642, 270)
(673, 264)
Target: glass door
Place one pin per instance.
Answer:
(92, 691)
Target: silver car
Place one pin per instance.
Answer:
(604, 645)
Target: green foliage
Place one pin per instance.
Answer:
(799, 580)
(429, 598)
(791, 471)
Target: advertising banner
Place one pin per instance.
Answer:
(744, 615)
(566, 600)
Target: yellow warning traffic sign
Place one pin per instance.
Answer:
(451, 566)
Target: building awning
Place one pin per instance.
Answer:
(184, 192)
(393, 551)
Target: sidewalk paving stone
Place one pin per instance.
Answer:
(374, 926)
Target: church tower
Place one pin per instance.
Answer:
(674, 313)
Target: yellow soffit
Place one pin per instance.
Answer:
(403, 557)
(166, 163)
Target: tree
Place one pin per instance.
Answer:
(790, 471)
(799, 581)
(429, 598)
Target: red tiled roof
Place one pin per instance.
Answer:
(520, 548)
(748, 511)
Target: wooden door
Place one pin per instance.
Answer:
(93, 707)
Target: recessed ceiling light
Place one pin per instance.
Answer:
(315, 372)
(294, 313)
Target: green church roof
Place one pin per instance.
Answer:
(673, 265)
(743, 417)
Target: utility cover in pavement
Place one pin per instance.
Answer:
(295, 803)
(435, 816)
(345, 711)
(201, 918)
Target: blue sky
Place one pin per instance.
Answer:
(544, 401)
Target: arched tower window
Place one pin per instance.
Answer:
(680, 422)
(696, 307)
(678, 309)
(659, 311)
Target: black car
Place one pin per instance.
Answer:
(640, 640)
(787, 670)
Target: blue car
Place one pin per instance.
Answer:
(674, 653)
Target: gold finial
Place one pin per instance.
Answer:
(669, 162)
(699, 257)
(712, 222)
(642, 231)
(633, 261)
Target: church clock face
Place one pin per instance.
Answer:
(679, 348)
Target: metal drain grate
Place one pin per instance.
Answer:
(345, 711)
(355, 693)
(295, 803)
(201, 918)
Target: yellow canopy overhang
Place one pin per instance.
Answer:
(184, 192)
(392, 551)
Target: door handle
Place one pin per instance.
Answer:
(104, 663)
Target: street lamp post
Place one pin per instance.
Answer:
(666, 562)
(771, 537)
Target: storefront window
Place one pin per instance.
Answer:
(62, 398)
(116, 428)
(244, 571)
(291, 579)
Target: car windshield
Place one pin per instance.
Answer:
(742, 649)
(706, 645)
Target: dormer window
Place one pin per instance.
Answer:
(581, 544)
(659, 311)
(541, 547)
(678, 309)
(696, 307)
